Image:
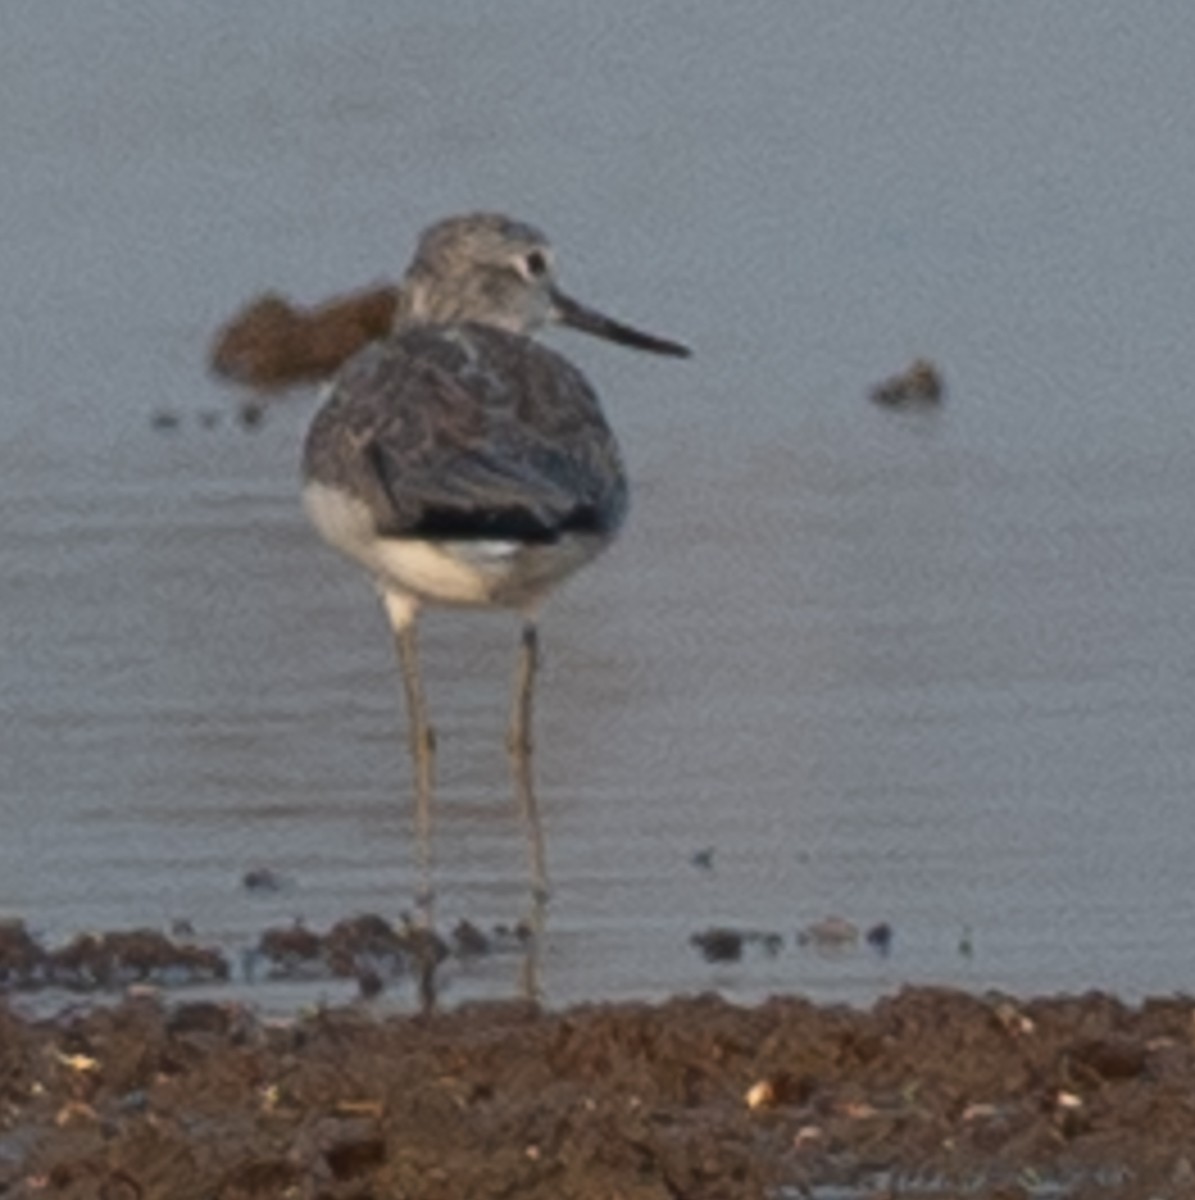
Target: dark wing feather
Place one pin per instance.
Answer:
(469, 432)
(480, 497)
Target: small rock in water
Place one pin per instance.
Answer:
(920, 385)
(261, 879)
(703, 859)
(719, 944)
(165, 421)
(880, 937)
(830, 933)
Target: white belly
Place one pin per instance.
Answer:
(473, 572)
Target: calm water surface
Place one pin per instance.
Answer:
(936, 669)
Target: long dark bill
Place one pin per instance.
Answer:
(569, 312)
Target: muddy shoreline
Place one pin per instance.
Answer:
(928, 1092)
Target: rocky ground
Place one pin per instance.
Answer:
(930, 1092)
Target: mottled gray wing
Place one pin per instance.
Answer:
(470, 432)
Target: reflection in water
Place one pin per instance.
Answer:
(536, 925)
(428, 953)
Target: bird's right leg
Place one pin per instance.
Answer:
(401, 610)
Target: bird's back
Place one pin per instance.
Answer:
(468, 432)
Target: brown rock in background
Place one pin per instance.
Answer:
(271, 343)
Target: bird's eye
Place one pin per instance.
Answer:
(537, 264)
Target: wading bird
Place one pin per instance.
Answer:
(462, 463)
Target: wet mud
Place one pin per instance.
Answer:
(150, 1094)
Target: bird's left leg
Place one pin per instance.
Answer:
(519, 745)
